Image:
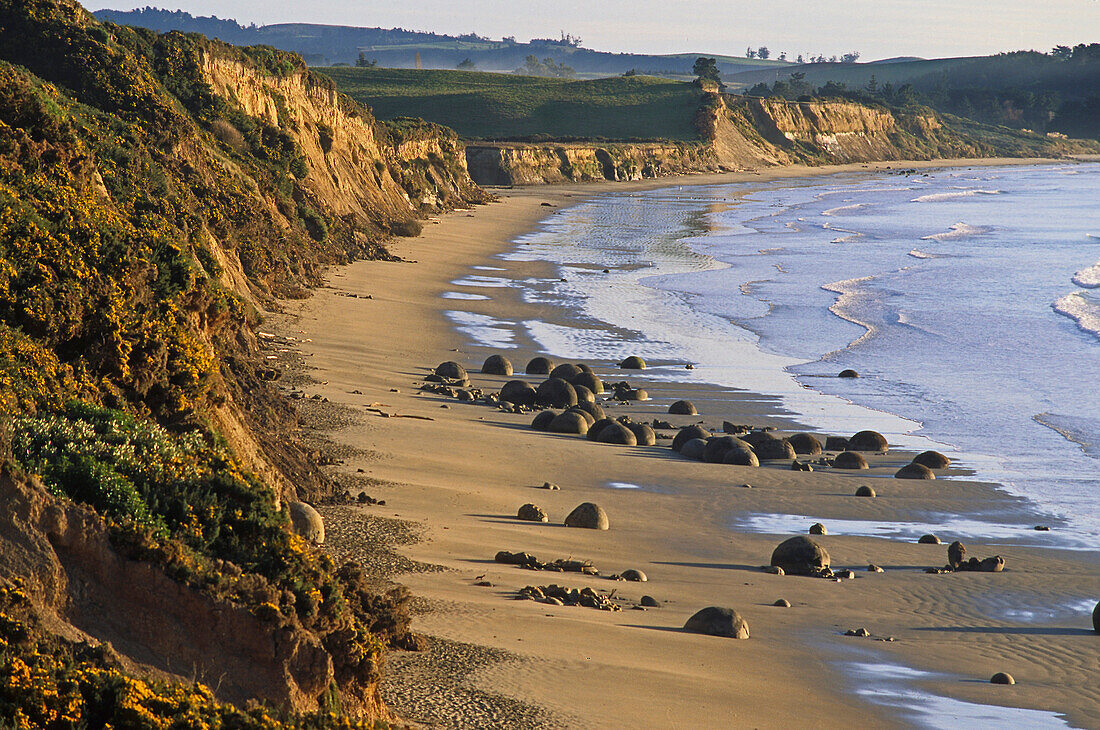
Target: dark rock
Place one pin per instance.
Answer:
(1042, 528)
(627, 394)
(643, 433)
(588, 380)
(518, 392)
(497, 365)
(865, 491)
(694, 449)
(451, 370)
(836, 443)
(818, 529)
(588, 515)
(868, 441)
(848, 373)
(588, 417)
(594, 409)
(565, 371)
(599, 425)
(650, 602)
(872, 568)
(569, 422)
(584, 395)
(773, 450)
(741, 457)
(539, 366)
(782, 603)
(532, 513)
(734, 428)
(718, 621)
(687, 433)
(914, 470)
(932, 460)
(956, 553)
(928, 540)
(1096, 618)
(556, 392)
(801, 466)
(683, 408)
(633, 363)
(850, 460)
(846, 575)
(993, 564)
(617, 433)
(1002, 678)
(551, 486)
(800, 555)
(717, 446)
(635, 576)
(541, 422)
(861, 632)
(805, 443)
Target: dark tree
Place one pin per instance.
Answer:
(706, 69)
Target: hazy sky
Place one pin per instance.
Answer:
(876, 28)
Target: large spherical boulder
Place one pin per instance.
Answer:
(497, 365)
(617, 433)
(541, 422)
(633, 363)
(718, 621)
(1002, 678)
(683, 408)
(865, 491)
(565, 371)
(848, 373)
(539, 366)
(800, 556)
(717, 446)
(1096, 618)
(805, 443)
(518, 392)
(914, 471)
(644, 434)
(693, 449)
(741, 456)
(556, 392)
(626, 394)
(932, 459)
(818, 529)
(588, 515)
(569, 422)
(956, 554)
(532, 513)
(588, 417)
(584, 395)
(868, 441)
(594, 408)
(451, 370)
(599, 425)
(307, 522)
(774, 450)
(687, 433)
(850, 460)
(634, 575)
(588, 380)
(752, 438)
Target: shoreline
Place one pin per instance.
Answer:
(387, 342)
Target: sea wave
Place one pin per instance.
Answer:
(1082, 310)
(959, 230)
(843, 209)
(1081, 430)
(1088, 278)
(921, 254)
(940, 197)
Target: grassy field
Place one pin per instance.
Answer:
(501, 106)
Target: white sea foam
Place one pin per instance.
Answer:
(843, 209)
(959, 230)
(921, 254)
(463, 295)
(486, 281)
(484, 330)
(940, 197)
(1081, 309)
(1088, 278)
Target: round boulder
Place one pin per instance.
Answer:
(541, 422)
(818, 529)
(1002, 678)
(497, 365)
(741, 456)
(518, 392)
(617, 433)
(687, 433)
(635, 576)
(593, 408)
(800, 555)
(532, 513)
(865, 491)
(643, 433)
(584, 395)
(914, 470)
(556, 392)
(632, 394)
(683, 408)
(588, 515)
(451, 370)
(836, 443)
(868, 441)
(932, 459)
(956, 554)
(693, 449)
(717, 446)
(569, 422)
(718, 621)
(774, 449)
(992, 564)
(928, 540)
(565, 371)
(649, 602)
(1096, 618)
(589, 380)
(848, 373)
(633, 363)
(539, 366)
(307, 522)
(805, 443)
(599, 425)
(588, 417)
(850, 460)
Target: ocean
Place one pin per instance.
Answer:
(968, 299)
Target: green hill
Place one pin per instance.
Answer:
(506, 106)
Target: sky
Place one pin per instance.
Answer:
(874, 28)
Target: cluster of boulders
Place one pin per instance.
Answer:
(957, 561)
(586, 514)
(556, 595)
(561, 565)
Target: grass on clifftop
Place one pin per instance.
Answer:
(504, 106)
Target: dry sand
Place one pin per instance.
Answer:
(461, 476)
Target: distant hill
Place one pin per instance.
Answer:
(326, 45)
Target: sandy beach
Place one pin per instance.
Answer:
(458, 471)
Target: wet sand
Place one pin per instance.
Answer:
(461, 476)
